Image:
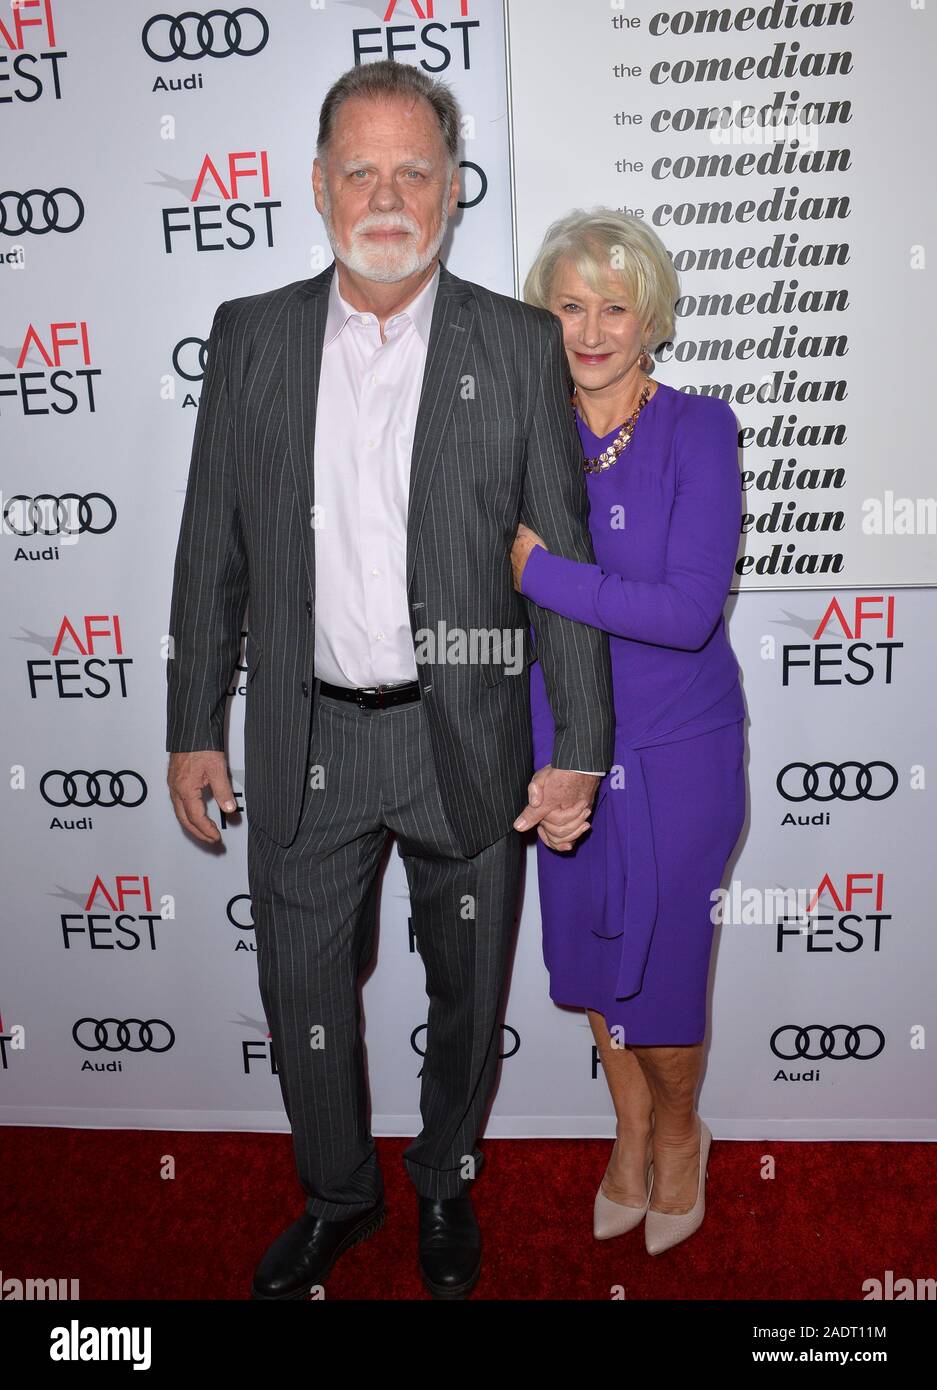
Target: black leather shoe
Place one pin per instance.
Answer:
(450, 1246)
(303, 1255)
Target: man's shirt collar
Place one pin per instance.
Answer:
(419, 310)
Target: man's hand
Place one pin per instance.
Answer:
(189, 774)
(559, 803)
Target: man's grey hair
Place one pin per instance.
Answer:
(389, 79)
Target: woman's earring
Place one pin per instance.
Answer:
(645, 361)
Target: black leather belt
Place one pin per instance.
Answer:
(373, 696)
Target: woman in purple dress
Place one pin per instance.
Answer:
(626, 901)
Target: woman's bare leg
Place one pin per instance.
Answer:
(625, 1181)
(672, 1076)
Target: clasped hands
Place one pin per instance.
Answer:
(559, 803)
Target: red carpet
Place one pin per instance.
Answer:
(91, 1205)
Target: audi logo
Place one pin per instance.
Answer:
(192, 371)
(837, 781)
(816, 1042)
(233, 914)
(45, 514)
(482, 181)
(92, 797)
(513, 1044)
(123, 1035)
(25, 210)
(170, 32)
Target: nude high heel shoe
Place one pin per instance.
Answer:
(615, 1218)
(663, 1230)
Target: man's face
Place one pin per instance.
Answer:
(383, 191)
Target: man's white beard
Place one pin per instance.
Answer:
(385, 262)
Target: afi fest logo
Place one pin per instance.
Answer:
(54, 371)
(441, 38)
(29, 54)
(853, 644)
(117, 916)
(95, 672)
(260, 1052)
(855, 920)
(12, 1039)
(240, 209)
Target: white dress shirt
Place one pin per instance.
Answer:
(369, 394)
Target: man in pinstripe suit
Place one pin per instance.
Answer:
(367, 442)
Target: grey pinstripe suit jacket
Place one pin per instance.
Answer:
(502, 449)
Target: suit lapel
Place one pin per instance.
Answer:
(450, 333)
(305, 331)
(449, 336)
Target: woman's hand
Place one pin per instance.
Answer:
(524, 542)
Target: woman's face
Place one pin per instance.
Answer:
(603, 338)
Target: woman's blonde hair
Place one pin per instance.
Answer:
(610, 248)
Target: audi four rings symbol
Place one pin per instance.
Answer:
(123, 1035)
(816, 1042)
(204, 42)
(93, 787)
(802, 782)
(59, 520)
(26, 211)
(230, 910)
(509, 1045)
(192, 371)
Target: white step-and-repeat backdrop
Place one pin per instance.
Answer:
(156, 164)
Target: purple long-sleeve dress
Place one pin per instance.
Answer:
(626, 914)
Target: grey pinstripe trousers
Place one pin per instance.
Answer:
(314, 906)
